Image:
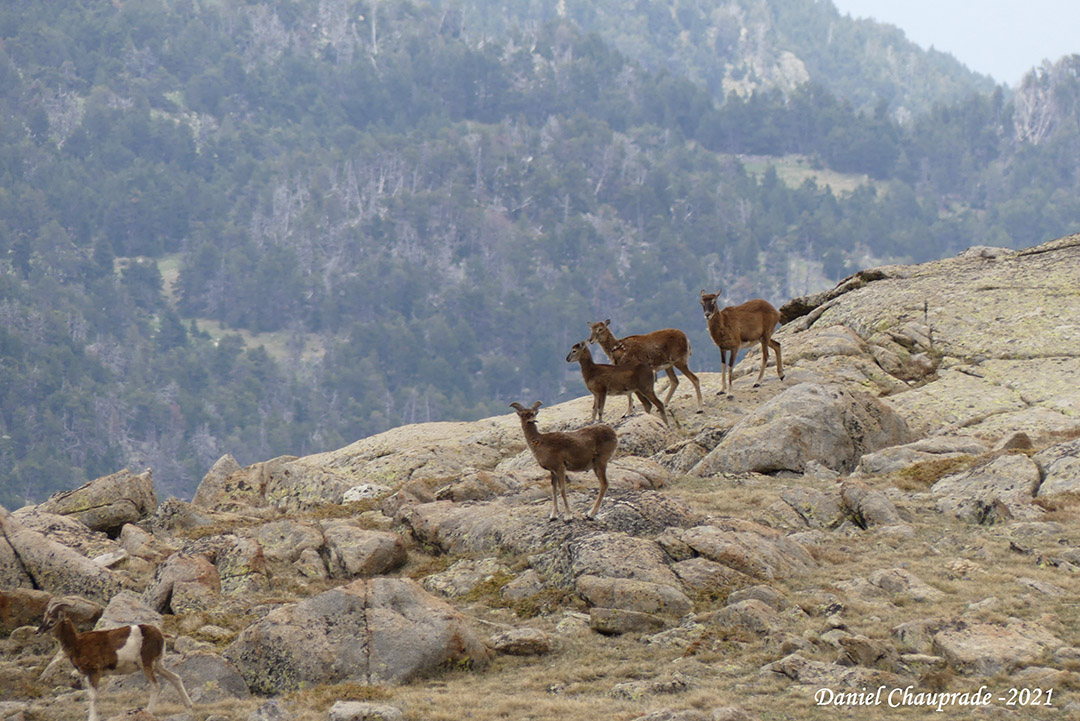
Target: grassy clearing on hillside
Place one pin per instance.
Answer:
(794, 170)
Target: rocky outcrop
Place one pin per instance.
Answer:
(986, 649)
(808, 422)
(185, 582)
(370, 632)
(107, 503)
(1010, 481)
(1000, 327)
(1059, 466)
(39, 562)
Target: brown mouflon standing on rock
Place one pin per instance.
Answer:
(603, 379)
(123, 650)
(733, 327)
(559, 452)
(662, 350)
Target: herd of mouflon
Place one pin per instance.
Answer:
(635, 361)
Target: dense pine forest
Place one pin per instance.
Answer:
(267, 228)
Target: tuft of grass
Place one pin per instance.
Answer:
(919, 477)
(545, 603)
(323, 696)
(487, 591)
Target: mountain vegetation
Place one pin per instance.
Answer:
(267, 228)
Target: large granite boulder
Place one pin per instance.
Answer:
(1010, 481)
(107, 503)
(39, 562)
(827, 423)
(985, 649)
(1060, 467)
(371, 632)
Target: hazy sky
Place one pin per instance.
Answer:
(1000, 38)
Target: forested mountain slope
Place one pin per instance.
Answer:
(743, 46)
(384, 219)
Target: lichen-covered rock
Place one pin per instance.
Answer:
(1060, 466)
(749, 548)
(702, 575)
(12, 572)
(827, 423)
(749, 615)
(211, 492)
(68, 531)
(107, 503)
(372, 631)
(126, 608)
(617, 621)
(208, 678)
(242, 566)
(464, 576)
(144, 545)
(899, 581)
(521, 642)
(633, 595)
(606, 555)
(818, 674)
(936, 448)
(814, 508)
(51, 566)
(1010, 480)
(185, 582)
(868, 507)
(986, 649)
(357, 551)
(363, 711)
(283, 542)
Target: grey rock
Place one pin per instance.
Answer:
(815, 509)
(1060, 466)
(371, 631)
(751, 615)
(464, 576)
(633, 595)
(749, 548)
(1010, 480)
(827, 423)
(359, 552)
(868, 507)
(212, 488)
(185, 582)
(935, 448)
(363, 711)
(53, 567)
(986, 649)
(208, 678)
(107, 503)
(272, 710)
(521, 642)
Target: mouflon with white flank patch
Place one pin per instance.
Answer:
(113, 651)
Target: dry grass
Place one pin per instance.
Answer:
(920, 477)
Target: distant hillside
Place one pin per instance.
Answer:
(752, 45)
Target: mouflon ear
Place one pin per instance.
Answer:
(536, 405)
(517, 406)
